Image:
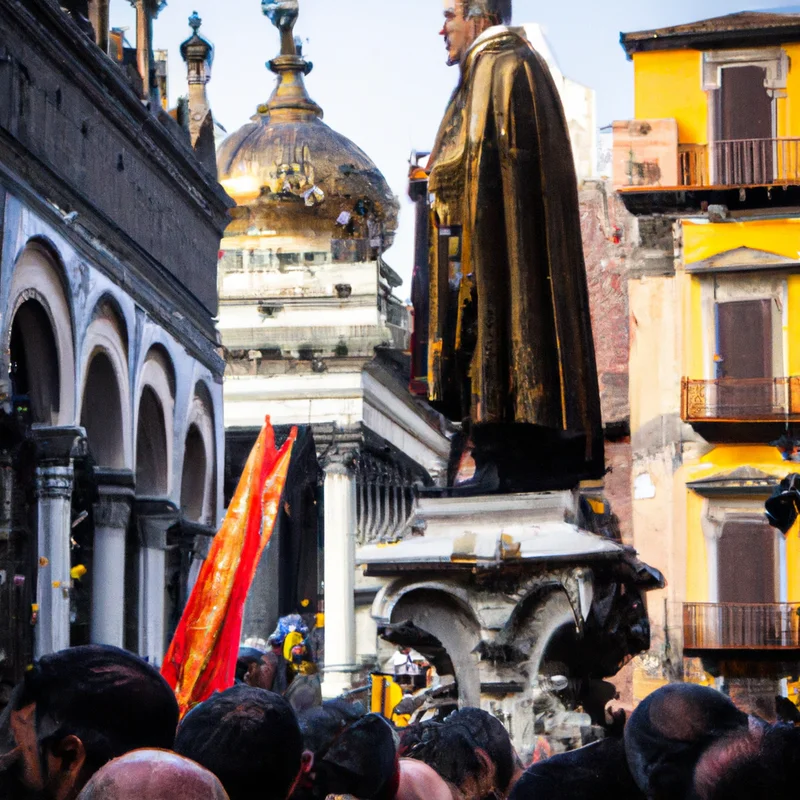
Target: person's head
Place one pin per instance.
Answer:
(669, 732)
(249, 659)
(465, 20)
(321, 725)
(249, 738)
(491, 736)
(360, 761)
(760, 762)
(153, 775)
(418, 781)
(76, 710)
(452, 751)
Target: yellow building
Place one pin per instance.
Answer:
(711, 169)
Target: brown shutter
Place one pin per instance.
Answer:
(744, 351)
(746, 562)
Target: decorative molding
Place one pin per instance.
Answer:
(773, 59)
(54, 482)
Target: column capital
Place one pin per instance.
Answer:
(154, 517)
(54, 481)
(115, 497)
(59, 444)
(338, 466)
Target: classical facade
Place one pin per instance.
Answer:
(709, 170)
(111, 419)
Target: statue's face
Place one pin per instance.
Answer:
(457, 30)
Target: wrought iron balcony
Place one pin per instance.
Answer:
(741, 400)
(741, 626)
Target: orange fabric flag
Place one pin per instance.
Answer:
(201, 658)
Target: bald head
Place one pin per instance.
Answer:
(153, 775)
(418, 781)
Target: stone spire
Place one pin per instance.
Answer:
(290, 98)
(146, 12)
(198, 53)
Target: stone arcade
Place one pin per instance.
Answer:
(111, 384)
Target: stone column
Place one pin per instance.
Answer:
(56, 447)
(98, 16)
(153, 518)
(53, 528)
(111, 516)
(339, 574)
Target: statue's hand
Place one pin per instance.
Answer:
(282, 13)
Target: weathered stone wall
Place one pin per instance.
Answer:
(75, 131)
(609, 236)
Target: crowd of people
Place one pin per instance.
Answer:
(97, 722)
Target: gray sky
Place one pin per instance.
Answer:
(379, 65)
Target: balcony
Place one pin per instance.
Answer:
(648, 156)
(741, 626)
(741, 400)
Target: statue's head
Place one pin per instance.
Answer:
(465, 20)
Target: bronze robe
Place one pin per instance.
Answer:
(509, 326)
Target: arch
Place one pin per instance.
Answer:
(109, 417)
(193, 477)
(44, 331)
(34, 367)
(152, 465)
(444, 617)
(108, 312)
(198, 475)
(102, 412)
(155, 424)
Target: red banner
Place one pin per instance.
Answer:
(201, 659)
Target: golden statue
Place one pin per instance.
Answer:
(510, 346)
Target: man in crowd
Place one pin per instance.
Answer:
(76, 710)
(249, 738)
(153, 775)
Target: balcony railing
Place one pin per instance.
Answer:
(741, 626)
(647, 154)
(741, 400)
(742, 162)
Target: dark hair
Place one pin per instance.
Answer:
(321, 725)
(491, 736)
(112, 700)
(744, 766)
(499, 9)
(361, 761)
(671, 729)
(249, 738)
(449, 749)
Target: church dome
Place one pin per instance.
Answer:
(291, 173)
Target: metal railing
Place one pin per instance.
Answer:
(742, 162)
(744, 626)
(740, 400)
